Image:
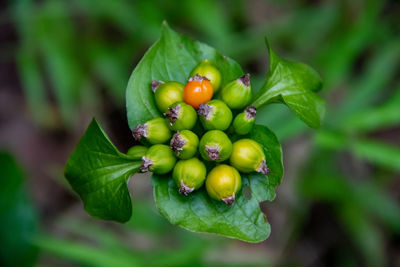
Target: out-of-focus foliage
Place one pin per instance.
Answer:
(74, 54)
(17, 216)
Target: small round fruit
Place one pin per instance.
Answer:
(207, 69)
(215, 115)
(223, 183)
(184, 144)
(156, 131)
(198, 90)
(237, 94)
(189, 175)
(136, 152)
(167, 93)
(248, 156)
(244, 122)
(158, 159)
(215, 145)
(181, 116)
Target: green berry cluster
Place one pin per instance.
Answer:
(201, 153)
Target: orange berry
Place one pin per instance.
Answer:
(198, 90)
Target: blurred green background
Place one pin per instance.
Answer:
(63, 62)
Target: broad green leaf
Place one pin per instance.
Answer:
(171, 58)
(295, 85)
(98, 172)
(244, 220)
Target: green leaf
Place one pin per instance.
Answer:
(171, 58)
(98, 172)
(295, 85)
(244, 220)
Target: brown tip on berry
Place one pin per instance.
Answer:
(177, 143)
(139, 132)
(229, 200)
(245, 79)
(146, 164)
(197, 78)
(173, 114)
(263, 167)
(185, 190)
(155, 84)
(250, 112)
(205, 110)
(213, 152)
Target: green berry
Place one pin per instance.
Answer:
(223, 182)
(215, 115)
(184, 143)
(136, 152)
(248, 156)
(215, 145)
(167, 94)
(189, 175)
(244, 122)
(156, 131)
(237, 94)
(207, 69)
(181, 116)
(158, 159)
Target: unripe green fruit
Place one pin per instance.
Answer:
(223, 182)
(156, 131)
(208, 70)
(181, 116)
(215, 145)
(215, 115)
(184, 144)
(237, 94)
(244, 122)
(158, 159)
(248, 156)
(136, 152)
(189, 175)
(167, 94)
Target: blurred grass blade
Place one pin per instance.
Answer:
(18, 216)
(374, 151)
(85, 254)
(386, 115)
(367, 88)
(377, 152)
(376, 201)
(365, 235)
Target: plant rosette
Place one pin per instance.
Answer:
(99, 173)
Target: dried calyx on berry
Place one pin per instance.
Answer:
(181, 116)
(189, 175)
(167, 94)
(223, 183)
(215, 145)
(207, 69)
(158, 159)
(184, 144)
(248, 156)
(237, 94)
(244, 122)
(156, 131)
(215, 115)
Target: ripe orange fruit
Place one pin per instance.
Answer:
(198, 90)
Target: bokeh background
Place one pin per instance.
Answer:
(63, 62)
